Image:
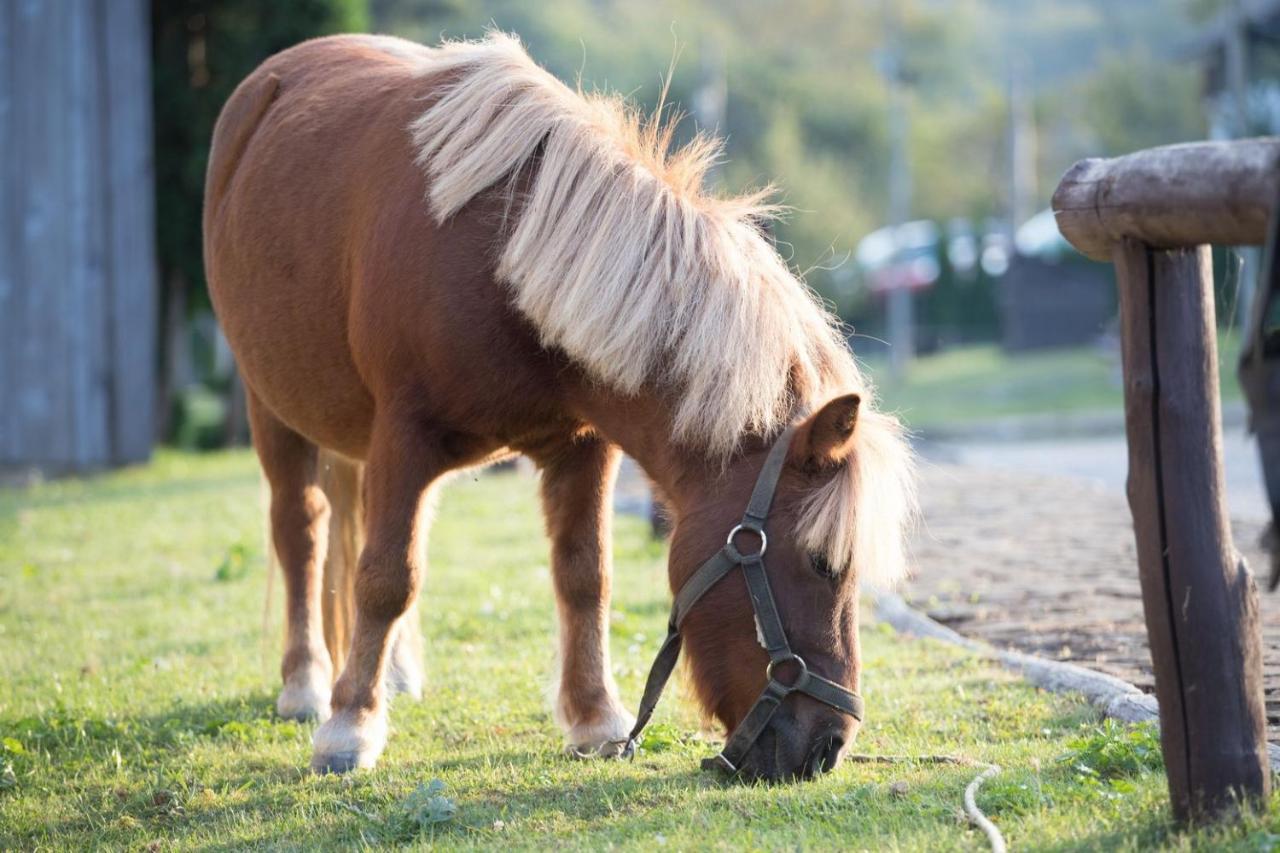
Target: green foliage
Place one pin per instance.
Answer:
(807, 107)
(1112, 754)
(235, 565)
(424, 808)
(199, 419)
(663, 737)
(1132, 100)
(806, 103)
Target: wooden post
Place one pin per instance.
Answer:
(1199, 598)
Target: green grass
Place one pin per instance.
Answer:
(981, 383)
(137, 683)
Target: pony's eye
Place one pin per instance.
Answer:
(821, 566)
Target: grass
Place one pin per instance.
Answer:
(973, 384)
(137, 683)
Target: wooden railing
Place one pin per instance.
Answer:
(1153, 214)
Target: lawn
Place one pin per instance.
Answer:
(137, 680)
(975, 384)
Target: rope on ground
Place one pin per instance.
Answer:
(971, 810)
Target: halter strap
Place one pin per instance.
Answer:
(770, 631)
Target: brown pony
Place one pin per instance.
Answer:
(425, 259)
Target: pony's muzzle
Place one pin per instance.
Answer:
(799, 744)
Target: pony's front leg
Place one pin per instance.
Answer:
(401, 465)
(577, 491)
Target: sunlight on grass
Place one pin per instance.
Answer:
(981, 383)
(139, 684)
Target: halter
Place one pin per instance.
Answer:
(769, 630)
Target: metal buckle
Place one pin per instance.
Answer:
(737, 555)
(801, 677)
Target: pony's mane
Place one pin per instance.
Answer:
(619, 258)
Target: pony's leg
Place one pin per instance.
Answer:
(402, 463)
(299, 532)
(577, 492)
(404, 668)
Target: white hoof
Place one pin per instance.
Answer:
(349, 741)
(604, 736)
(305, 695)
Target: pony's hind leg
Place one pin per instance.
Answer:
(299, 533)
(402, 464)
(404, 672)
(577, 489)
(341, 480)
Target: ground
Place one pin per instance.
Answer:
(1048, 565)
(139, 675)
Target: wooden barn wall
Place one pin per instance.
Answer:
(77, 245)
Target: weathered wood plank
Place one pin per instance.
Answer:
(131, 238)
(85, 219)
(1198, 598)
(77, 245)
(40, 370)
(10, 295)
(1178, 196)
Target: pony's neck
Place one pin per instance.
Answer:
(641, 426)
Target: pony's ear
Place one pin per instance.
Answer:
(825, 439)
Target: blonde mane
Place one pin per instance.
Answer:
(619, 258)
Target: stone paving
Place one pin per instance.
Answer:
(1047, 565)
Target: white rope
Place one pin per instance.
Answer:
(975, 815)
(971, 810)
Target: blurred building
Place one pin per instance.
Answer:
(1051, 295)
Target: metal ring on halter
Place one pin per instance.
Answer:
(800, 677)
(733, 549)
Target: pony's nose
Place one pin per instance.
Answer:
(823, 757)
(789, 750)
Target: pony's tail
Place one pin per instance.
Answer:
(341, 479)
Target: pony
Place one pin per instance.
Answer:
(428, 259)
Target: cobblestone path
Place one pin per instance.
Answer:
(1047, 565)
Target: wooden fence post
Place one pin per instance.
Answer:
(1200, 601)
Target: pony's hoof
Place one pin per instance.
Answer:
(349, 741)
(304, 703)
(605, 738)
(339, 762)
(588, 751)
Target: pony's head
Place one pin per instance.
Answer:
(814, 583)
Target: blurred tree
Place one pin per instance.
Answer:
(807, 106)
(201, 49)
(806, 103)
(1129, 102)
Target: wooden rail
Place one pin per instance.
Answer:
(1152, 214)
(1175, 197)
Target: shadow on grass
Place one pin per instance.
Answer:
(60, 730)
(266, 797)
